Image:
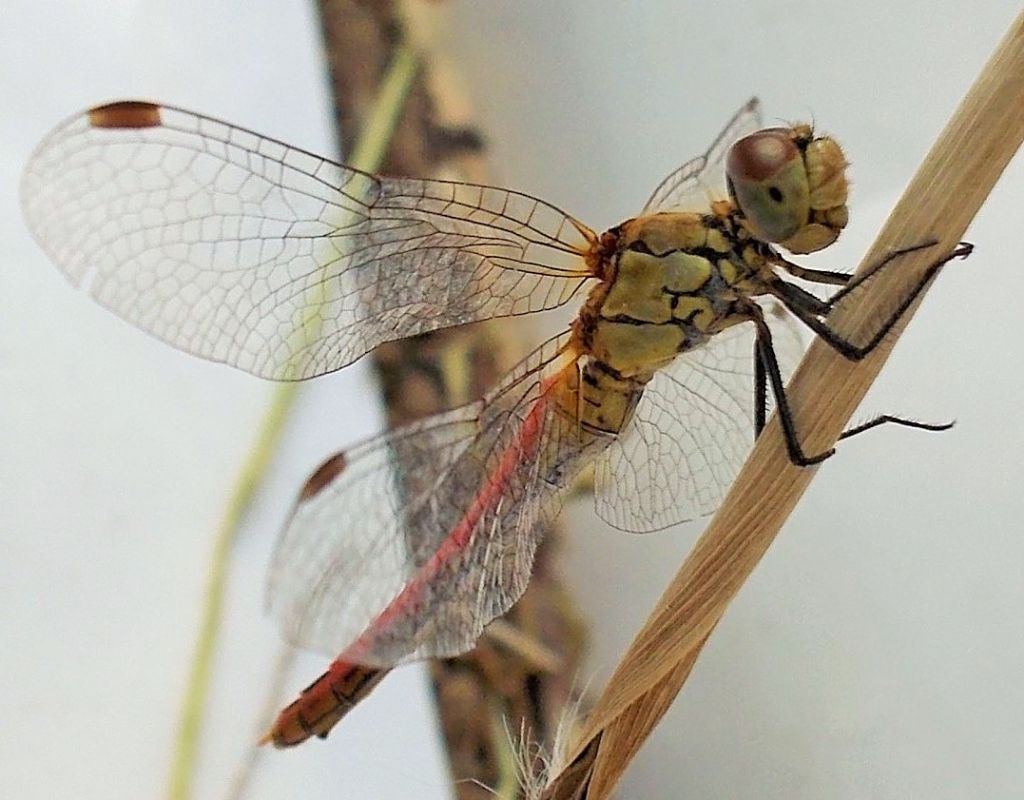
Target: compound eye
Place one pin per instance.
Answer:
(768, 182)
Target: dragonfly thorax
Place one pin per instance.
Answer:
(670, 282)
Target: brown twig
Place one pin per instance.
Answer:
(949, 188)
(521, 673)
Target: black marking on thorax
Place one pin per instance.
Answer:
(708, 253)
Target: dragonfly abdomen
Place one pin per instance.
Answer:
(323, 703)
(597, 399)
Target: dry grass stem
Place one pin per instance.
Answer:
(940, 202)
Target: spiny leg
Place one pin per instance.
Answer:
(819, 307)
(809, 308)
(845, 279)
(769, 366)
(766, 366)
(826, 276)
(889, 258)
(884, 419)
(794, 299)
(760, 391)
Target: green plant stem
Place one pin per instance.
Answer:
(367, 155)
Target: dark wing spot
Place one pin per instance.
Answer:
(125, 114)
(324, 475)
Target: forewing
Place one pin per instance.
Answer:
(693, 185)
(691, 431)
(410, 544)
(244, 250)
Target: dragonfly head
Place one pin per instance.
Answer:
(789, 186)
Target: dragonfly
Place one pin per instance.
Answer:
(245, 250)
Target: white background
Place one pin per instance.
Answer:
(875, 653)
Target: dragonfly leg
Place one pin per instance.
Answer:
(760, 391)
(761, 410)
(845, 279)
(767, 365)
(884, 419)
(815, 275)
(808, 308)
(875, 269)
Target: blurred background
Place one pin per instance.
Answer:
(876, 652)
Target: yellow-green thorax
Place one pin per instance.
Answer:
(669, 283)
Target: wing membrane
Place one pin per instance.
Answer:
(702, 179)
(244, 250)
(424, 555)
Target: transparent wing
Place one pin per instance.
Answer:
(695, 183)
(691, 431)
(240, 249)
(408, 545)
